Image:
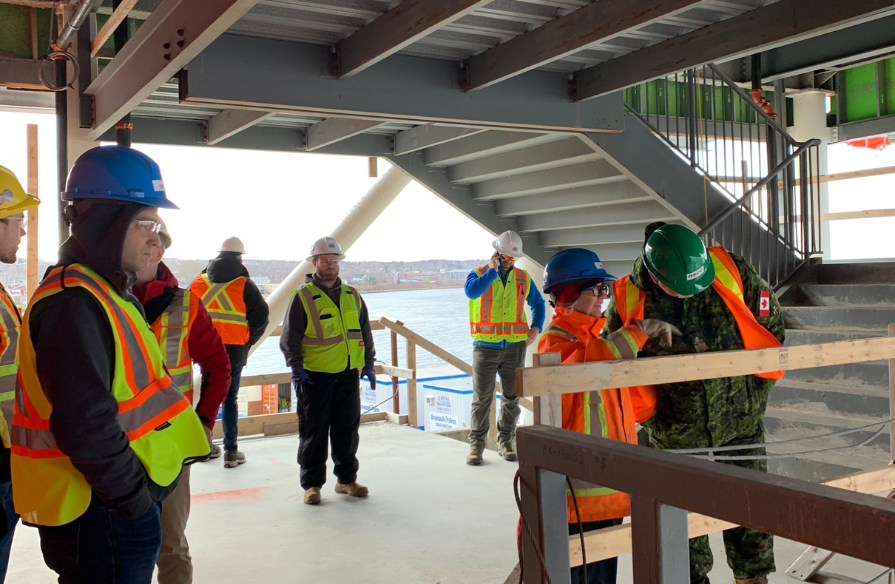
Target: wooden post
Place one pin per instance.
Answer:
(411, 385)
(892, 399)
(374, 167)
(31, 272)
(396, 402)
(547, 408)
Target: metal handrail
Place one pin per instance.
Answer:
(747, 98)
(760, 185)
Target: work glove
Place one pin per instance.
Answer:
(370, 374)
(658, 329)
(299, 377)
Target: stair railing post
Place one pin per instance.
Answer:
(892, 399)
(411, 385)
(396, 403)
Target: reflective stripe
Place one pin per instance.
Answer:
(176, 316)
(322, 342)
(314, 315)
(594, 425)
(613, 349)
(583, 490)
(33, 439)
(481, 328)
(215, 293)
(8, 395)
(622, 345)
(182, 380)
(553, 329)
(728, 280)
(357, 335)
(632, 299)
(222, 317)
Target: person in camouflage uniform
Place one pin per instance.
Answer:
(711, 412)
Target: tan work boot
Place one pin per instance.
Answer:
(475, 457)
(508, 453)
(354, 489)
(312, 496)
(753, 580)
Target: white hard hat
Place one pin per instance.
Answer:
(233, 244)
(508, 243)
(325, 246)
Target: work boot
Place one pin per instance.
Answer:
(312, 496)
(754, 580)
(233, 458)
(215, 452)
(355, 489)
(475, 457)
(508, 453)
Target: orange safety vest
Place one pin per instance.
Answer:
(630, 300)
(226, 306)
(172, 330)
(10, 323)
(609, 413)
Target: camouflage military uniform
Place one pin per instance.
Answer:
(712, 412)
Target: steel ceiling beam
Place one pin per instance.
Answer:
(168, 40)
(332, 130)
(759, 30)
(545, 157)
(400, 27)
(865, 128)
(230, 122)
(490, 143)
(288, 76)
(593, 23)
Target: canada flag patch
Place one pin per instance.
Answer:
(764, 304)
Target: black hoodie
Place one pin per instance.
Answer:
(75, 358)
(225, 268)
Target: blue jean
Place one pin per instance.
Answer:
(11, 520)
(230, 417)
(102, 547)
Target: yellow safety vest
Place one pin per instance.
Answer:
(10, 322)
(499, 314)
(163, 429)
(172, 330)
(333, 339)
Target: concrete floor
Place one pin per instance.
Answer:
(429, 519)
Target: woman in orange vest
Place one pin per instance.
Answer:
(719, 303)
(578, 286)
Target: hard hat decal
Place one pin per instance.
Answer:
(158, 186)
(696, 274)
(598, 265)
(7, 195)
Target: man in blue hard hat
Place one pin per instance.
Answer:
(101, 432)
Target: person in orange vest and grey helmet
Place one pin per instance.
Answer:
(719, 303)
(185, 335)
(578, 285)
(498, 292)
(14, 201)
(240, 315)
(100, 431)
(328, 344)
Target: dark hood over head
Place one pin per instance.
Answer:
(98, 229)
(226, 267)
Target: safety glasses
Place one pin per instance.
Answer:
(507, 258)
(147, 227)
(23, 222)
(598, 290)
(328, 262)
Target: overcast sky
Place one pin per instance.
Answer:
(279, 203)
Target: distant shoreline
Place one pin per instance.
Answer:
(367, 289)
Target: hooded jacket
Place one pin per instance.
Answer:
(206, 348)
(224, 268)
(75, 359)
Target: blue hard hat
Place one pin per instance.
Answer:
(574, 265)
(117, 173)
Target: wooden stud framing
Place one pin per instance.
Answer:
(109, 27)
(411, 384)
(32, 277)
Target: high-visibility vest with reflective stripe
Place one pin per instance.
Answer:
(10, 322)
(163, 429)
(172, 330)
(499, 314)
(608, 413)
(333, 339)
(226, 306)
(728, 284)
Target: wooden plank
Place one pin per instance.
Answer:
(564, 36)
(527, 404)
(515, 575)
(332, 130)
(891, 331)
(32, 277)
(399, 419)
(374, 166)
(396, 371)
(869, 214)
(616, 541)
(411, 384)
(426, 345)
(232, 121)
(573, 378)
(109, 27)
(809, 563)
(265, 379)
(400, 27)
(547, 408)
(281, 429)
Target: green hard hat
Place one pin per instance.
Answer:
(678, 259)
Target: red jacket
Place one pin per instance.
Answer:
(206, 348)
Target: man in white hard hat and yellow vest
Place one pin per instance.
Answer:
(100, 431)
(240, 314)
(328, 343)
(14, 201)
(497, 295)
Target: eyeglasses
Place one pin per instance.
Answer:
(23, 222)
(597, 290)
(507, 258)
(328, 262)
(147, 227)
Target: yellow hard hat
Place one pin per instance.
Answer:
(13, 198)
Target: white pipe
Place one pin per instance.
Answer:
(355, 223)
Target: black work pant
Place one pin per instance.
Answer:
(604, 571)
(328, 406)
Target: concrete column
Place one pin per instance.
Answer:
(810, 112)
(355, 223)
